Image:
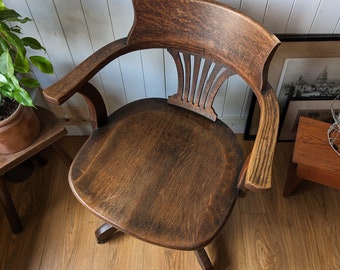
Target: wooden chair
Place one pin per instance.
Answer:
(166, 171)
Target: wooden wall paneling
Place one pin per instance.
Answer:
(236, 93)
(73, 23)
(302, 16)
(218, 104)
(171, 80)
(29, 29)
(232, 3)
(47, 21)
(131, 65)
(277, 15)
(337, 28)
(246, 102)
(109, 81)
(235, 96)
(153, 70)
(255, 10)
(327, 17)
(133, 79)
(71, 29)
(74, 27)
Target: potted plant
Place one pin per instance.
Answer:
(15, 75)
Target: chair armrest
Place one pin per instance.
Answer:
(63, 89)
(259, 171)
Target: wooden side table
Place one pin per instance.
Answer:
(51, 130)
(313, 158)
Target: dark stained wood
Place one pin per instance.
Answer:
(314, 158)
(8, 205)
(168, 159)
(225, 36)
(203, 259)
(159, 172)
(95, 102)
(264, 231)
(292, 180)
(51, 130)
(196, 91)
(209, 29)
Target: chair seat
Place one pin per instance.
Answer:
(160, 173)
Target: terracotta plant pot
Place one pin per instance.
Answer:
(19, 130)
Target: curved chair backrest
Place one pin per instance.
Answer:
(211, 31)
(209, 42)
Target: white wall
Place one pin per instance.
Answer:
(73, 29)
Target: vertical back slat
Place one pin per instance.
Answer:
(197, 65)
(175, 55)
(198, 82)
(187, 75)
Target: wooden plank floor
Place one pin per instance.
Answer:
(265, 231)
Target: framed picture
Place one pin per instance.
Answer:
(302, 67)
(316, 109)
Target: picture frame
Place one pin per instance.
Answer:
(296, 47)
(312, 108)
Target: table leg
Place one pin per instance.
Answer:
(9, 208)
(292, 180)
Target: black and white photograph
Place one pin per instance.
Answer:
(303, 67)
(315, 109)
(309, 78)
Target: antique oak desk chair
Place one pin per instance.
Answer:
(166, 171)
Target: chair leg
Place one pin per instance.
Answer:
(9, 208)
(203, 259)
(292, 180)
(106, 232)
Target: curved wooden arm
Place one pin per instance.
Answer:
(63, 89)
(259, 171)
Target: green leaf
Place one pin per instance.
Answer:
(16, 29)
(32, 43)
(23, 20)
(29, 82)
(6, 91)
(23, 97)
(3, 46)
(2, 5)
(21, 64)
(3, 79)
(42, 63)
(6, 64)
(8, 14)
(15, 41)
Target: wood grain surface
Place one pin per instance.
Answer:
(265, 231)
